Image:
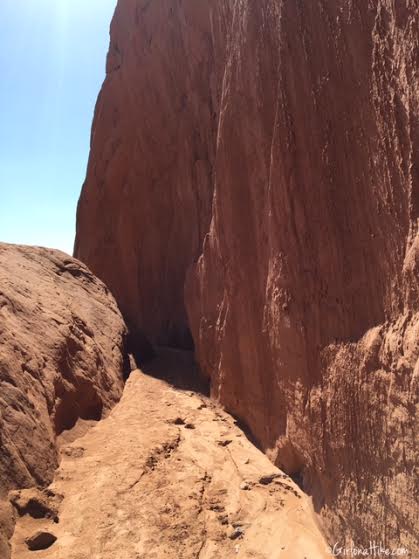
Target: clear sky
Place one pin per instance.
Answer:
(52, 64)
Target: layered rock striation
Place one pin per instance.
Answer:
(256, 163)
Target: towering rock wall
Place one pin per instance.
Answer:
(146, 203)
(298, 143)
(303, 305)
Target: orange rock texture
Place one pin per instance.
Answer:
(253, 181)
(167, 475)
(61, 358)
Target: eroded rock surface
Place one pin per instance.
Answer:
(61, 359)
(155, 124)
(169, 475)
(278, 142)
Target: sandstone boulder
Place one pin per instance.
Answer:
(61, 358)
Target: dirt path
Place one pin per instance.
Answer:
(167, 475)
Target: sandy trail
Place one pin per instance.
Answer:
(170, 475)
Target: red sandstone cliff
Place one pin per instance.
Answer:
(257, 163)
(155, 124)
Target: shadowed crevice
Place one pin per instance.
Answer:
(178, 368)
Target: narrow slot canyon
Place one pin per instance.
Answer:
(228, 365)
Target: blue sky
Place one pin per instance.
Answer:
(52, 62)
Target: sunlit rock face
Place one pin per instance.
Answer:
(168, 474)
(62, 343)
(61, 357)
(257, 164)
